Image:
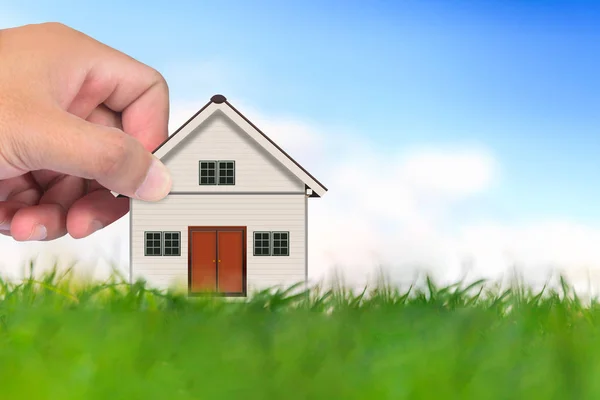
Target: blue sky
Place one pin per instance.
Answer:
(519, 78)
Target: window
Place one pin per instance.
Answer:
(262, 241)
(172, 243)
(226, 172)
(152, 244)
(162, 243)
(208, 172)
(271, 243)
(217, 172)
(281, 244)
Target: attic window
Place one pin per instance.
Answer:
(226, 172)
(208, 172)
(217, 172)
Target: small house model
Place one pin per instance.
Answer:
(236, 217)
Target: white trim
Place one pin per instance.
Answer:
(306, 242)
(186, 130)
(223, 192)
(251, 131)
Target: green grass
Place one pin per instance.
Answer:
(64, 339)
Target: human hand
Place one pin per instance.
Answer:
(77, 120)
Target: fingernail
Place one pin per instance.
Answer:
(157, 183)
(95, 225)
(38, 232)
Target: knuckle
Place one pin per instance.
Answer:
(54, 25)
(159, 79)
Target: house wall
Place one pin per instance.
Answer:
(218, 138)
(258, 212)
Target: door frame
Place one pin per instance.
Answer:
(216, 229)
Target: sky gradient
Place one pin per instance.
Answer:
(518, 80)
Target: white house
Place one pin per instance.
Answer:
(236, 217)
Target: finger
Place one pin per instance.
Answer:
(21, 188)
(15, 194)
(142, 98)
(8, 209)
(104, 116)
(116, 160)
(136, 93)
(94, 211)
(61, 191)
(59, 188)
(41, 222)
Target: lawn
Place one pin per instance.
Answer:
(63, 339)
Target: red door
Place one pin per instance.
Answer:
(203, 255)
(230, 262)
(217, 260)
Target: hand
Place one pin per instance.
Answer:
(77, 120)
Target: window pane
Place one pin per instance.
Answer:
(226, 172)
(281, 244)
(171, 247)
(207, 172)
(261, 243)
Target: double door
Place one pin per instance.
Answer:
(217, 260)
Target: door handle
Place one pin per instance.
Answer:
(219, 260)
(213, 260)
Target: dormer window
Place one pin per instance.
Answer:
(220, 172)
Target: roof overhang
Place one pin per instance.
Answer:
(218, 103)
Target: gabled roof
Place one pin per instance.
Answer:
(219, 103)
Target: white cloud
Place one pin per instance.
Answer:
(452, 172)
(388, 207)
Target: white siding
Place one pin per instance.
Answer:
(220, 139)
(256, 212)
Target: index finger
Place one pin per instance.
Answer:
(142, 98)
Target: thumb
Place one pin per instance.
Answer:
(115, 159)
